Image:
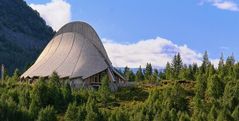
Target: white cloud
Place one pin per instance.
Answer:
(157, 51)
(56, 13)
(225, 4)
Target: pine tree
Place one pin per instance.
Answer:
(236, 71)
(230, 95)
(67, 93)
(129, 74)
(221, 62)
(55, 79)
(212, 114)
(92, 111)
(126, 71)
(54, 93)
(230, 60)
(168, 72)
(34, 109)
(184, 117)
(71, 112)
(221, 66)
(155, 76)
(16, 75)
(205, 63)
(104, 90)
(195, 70)
(177, 66)
(47, 114)
(200, 86)
(224, 115)
(229, 68)
(165, 115)
(39, 93)
(82, 113)
(173, 115)
(235, 114)
(184, 73)
(148, 71)
(177, 95)
(211, 70)
(214, 88)
(117, 115)
(139, 74)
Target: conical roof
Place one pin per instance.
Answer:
(75, 51)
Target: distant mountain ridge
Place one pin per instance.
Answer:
(23, 34)
(121, 69)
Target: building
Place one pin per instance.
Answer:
(75, 53)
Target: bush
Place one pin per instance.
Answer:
(47, 114)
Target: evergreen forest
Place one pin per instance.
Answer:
(181, 92)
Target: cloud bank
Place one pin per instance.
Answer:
(224, 4)
(56, 13)
(157, 51)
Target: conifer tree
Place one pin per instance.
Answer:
(148, 71)
(212, 116)
(82, 113)
(155, 76)
(16, 75)
(54, 93)
(71, 112)
(230, 95)
(236, 71)
(221, 66)
(39, 93)
(230, 60)
(205, 63)
(200, 86)
(104, 90)
(184, 117)
(178, 97)
(173, 115)
(118, 115)
(93, 113)
(165, 115)
(184, 73)
(34, 109)
(139, 74)
(168, 72)
(211, 70)
(224, 115)
(235, 114)
(229, 68)
(214, 88)
(54, 79)
(47, 114)
(195, 69)
(129, 74)
(126, 71)
(177, 66)
(67, 93)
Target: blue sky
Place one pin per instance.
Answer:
(211, 25)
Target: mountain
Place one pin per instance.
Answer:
(121, 69)
(23, 34)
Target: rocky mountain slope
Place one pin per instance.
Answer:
(23, 34)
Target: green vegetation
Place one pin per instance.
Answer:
(180, 93)
(23, 34)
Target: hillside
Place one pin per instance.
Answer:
(180, 93)
(23, 34)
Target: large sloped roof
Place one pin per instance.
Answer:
(75, 51)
